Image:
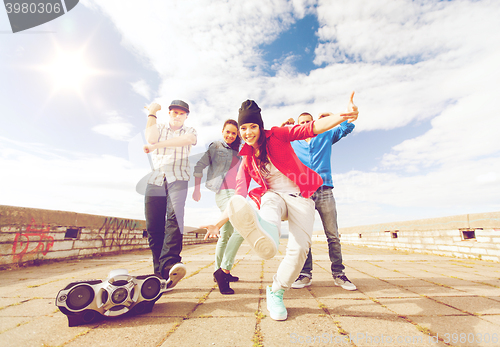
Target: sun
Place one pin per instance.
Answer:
(69, 70)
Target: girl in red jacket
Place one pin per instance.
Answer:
(285, 185)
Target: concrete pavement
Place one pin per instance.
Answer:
(403, 299)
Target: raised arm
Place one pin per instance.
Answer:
(152, 133)
(326, 123)
(351, 107)
(289, 121)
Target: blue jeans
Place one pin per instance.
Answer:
(164, 209)
(325, 204)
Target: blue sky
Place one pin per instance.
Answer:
(426, 143)
(298, 41)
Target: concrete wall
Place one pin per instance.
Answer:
(465, 236)
(29, 235)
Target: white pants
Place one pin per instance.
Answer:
(299, 212)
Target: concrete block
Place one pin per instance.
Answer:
(6, 249)
(464, 249)
(427, 240)
(62, 254)
(86, 236)
(495, 240)
(62, 246)
(89, 251)
(97, 244)
(432, 224)
(484, 220)
(410, 239)
(495, 252)
(57, 236)
(8, 237)
(9, 229)
(22, 216)
(494, 236)
(491, 258)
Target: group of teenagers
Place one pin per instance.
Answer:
(291, 166)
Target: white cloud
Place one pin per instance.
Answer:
(40, 176)
(116, 127)
(390, 31)
(210, 56)
(458, 188)
(407, 61)
(116, 131)
(487, 178)
(142, 88)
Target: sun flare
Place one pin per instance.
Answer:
(69, 70)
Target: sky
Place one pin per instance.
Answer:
(425, 74)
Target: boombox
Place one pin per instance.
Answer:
(87, 301)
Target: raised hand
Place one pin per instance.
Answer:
(352, 108)
(153, 108)
(289, 121)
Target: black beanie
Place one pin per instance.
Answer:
(250, 113)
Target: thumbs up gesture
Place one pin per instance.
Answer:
(352, 108)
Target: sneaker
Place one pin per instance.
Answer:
(175, 274)
(343, 281)
(301, 282)
(275, 306)
(262, 236)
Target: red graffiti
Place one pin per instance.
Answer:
(22, 242)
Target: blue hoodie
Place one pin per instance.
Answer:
(316, 154)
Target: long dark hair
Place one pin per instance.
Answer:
(262, 157)
(235, 146)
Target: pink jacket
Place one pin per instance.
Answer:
(283, 157)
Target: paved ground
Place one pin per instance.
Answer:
(403, 299)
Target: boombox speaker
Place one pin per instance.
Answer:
(88, 301)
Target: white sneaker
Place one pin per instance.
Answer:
(262, 236)
(176, 273)
(275, 305)
(301, 282)
(343, 281)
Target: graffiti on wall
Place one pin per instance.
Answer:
(33, 241)
(117, 232)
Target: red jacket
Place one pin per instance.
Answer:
(283, 157)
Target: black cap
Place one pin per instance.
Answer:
(249, 112)
(179, 104)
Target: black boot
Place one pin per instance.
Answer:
(222, 282)
(230, 278)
